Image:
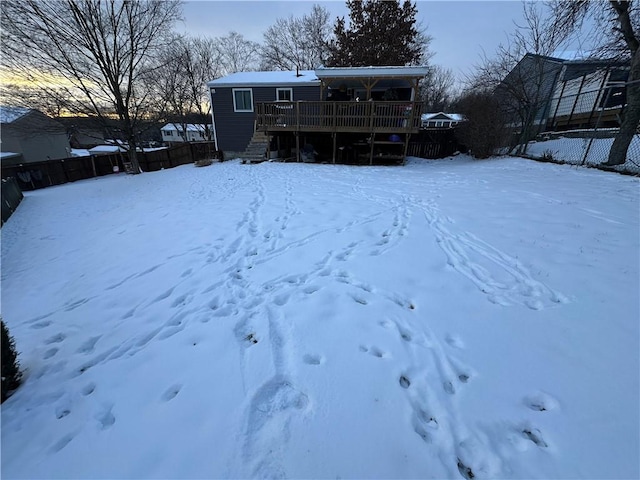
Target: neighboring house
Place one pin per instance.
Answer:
(556, 94)
(175, 132)
(32, 134)
(365, 111)
(441, 120)
(588, 93)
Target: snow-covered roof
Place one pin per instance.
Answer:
(454, 117)
(80, 152)
(9, 155)
(378, 72)
(277, 79)
(11, 114)
(104, 149)
(191, 127)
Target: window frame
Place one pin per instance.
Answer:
(235, 105)
(284, 89)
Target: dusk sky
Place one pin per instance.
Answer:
(461, 30)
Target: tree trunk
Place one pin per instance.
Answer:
(133, 156)
(631, 118)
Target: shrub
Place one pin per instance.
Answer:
(10, 367)
(484, 131)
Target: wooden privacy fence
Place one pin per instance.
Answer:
(34, 175)
(11, 197)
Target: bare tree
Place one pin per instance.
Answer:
(522, 72)
(238, 54)
(188, 64)
(619, 24)
(297, 43)
(438, 89)
(99, 52)
(483, 131)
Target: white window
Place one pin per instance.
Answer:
(168, 133)
(284, 94)
(242, 100)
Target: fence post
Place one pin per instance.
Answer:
(595, 128)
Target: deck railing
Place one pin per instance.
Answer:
(364, 116)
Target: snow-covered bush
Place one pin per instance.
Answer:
(10, 367)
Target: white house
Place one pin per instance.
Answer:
(441, 120)
(174, 132)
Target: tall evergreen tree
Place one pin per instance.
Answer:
(379, 33)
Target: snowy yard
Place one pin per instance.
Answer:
(444, 319)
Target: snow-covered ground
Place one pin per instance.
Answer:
(445, 319)
(586, 151)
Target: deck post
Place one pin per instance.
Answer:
(406, 147)
(297, 146)
(334, 135)
(268, 146)
(373, 139)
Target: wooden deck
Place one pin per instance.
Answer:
(335, 117)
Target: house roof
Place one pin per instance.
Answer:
(454, 117)
(277, 79)
(378, 72)
(11, 114)
(191, 127)
(313, 77)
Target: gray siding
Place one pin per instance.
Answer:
(235, 129)
(37, 137)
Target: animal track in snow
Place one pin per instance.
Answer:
(50, 353)
(171, 392)
(373, 351)
(60, 444)
(57, 338)
(454, 341)
(39, 325)
(535, 436)
(89, 345)
(76, 304)
(62, 412)
(310, 359)
(359, 299)
(88, 389)
(404, 381)
(540, 402)
(106, 418)
(504, 279)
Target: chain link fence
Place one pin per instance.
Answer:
(580, 128)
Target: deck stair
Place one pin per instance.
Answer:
(256, 151)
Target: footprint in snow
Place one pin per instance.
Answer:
(57, 338)
(404, 381)
(106, 418)
(540, 402)
(49, 353)
(88, 389)
(535, 436)
(310, 359)
(373, 351)
(454, 341)
(171, 392)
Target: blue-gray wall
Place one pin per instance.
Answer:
(235, 129)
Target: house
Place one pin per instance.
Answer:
(31, 136)
(342, 113)
(556, 94)
(441, 120)
(174, 132)
(588, 94)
